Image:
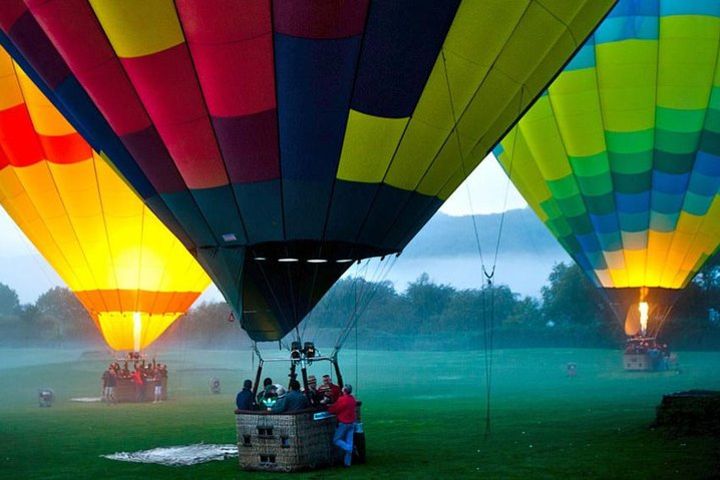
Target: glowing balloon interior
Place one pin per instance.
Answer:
(128, 270)
(282, 140)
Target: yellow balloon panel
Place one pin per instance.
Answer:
(133, 276)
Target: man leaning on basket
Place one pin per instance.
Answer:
(344, 409)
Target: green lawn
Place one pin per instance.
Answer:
(423, 416)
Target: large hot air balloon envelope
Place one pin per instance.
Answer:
(283, 140)
(621, 157)
(132, 275)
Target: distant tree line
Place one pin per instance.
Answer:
(55, 319)
(427, 315)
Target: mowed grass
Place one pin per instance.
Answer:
(423, 416)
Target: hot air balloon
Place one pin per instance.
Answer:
(282, 141)
(621, 156)
(128, 270)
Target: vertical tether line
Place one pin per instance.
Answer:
(488, 326)
(357, 370)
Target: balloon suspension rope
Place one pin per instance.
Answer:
(487, 274)
(488, 324)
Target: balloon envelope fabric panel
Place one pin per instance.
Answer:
(621, 156)
(283, 140)
(123, 264)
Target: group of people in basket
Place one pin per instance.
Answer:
(336, 400)
(142, 376)
(659, 353)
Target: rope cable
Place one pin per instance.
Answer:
(356, 301)
(374, 291)
(364, 301)
(488, 326)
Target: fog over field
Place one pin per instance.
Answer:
(445, 248)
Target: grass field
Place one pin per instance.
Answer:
(423, 416)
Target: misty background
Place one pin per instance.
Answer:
(432, 298)
(445, 249)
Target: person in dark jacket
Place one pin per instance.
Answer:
(267, 396)
(244, 399)
(312, 393)
(292, 401)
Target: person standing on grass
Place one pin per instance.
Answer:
(110, 389)
(344, 409)
(105, 377)
(139, 385)
(157, 382)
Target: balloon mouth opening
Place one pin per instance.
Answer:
(133, 330)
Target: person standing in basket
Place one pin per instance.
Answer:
(293, 401)
(105, 379)
(244, 399)
(344, 409)
(330, 391)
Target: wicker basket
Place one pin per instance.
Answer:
(637, 362)
(125, 391)
(287, 442)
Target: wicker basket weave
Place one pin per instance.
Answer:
(286, 442)
(125, 391)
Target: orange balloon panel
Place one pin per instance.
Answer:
(133, 276)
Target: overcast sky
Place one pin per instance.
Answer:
(488, 185)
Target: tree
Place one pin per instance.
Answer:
(526, 314)
(60, 317)
(206, 325)
(576, 306)
(428, 299)
(9, 301)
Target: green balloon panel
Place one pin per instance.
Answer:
(621, 155)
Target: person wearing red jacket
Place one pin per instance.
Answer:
(137, 379)
(329, 390)
(344, 409)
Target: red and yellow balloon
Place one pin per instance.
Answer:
(132, 275)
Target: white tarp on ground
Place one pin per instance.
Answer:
(179, 455)
(86, 399)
